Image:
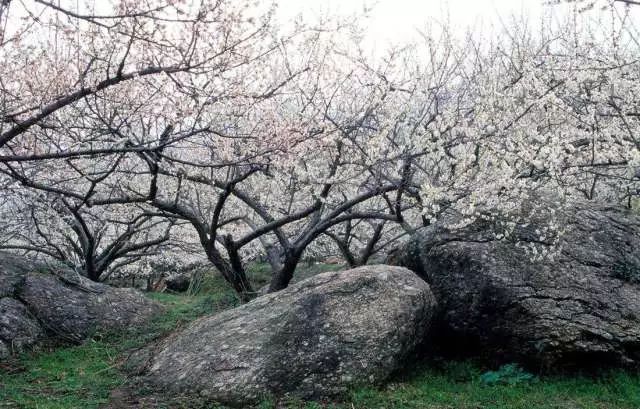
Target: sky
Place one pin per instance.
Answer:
(389, 21)
(397, 20)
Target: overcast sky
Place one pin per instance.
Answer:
(397, 20)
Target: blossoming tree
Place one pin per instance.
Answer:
(124, 120)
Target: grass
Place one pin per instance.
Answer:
(83, 376)
(442, 388)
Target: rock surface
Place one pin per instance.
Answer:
(313, 339)
(12, 272)
(36, 305)
(178, 282)
(581, 308)
(19, 329)
(74, 311)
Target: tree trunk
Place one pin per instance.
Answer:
(367, 252)
(234, 276)
(281, 278)
(346, 254)
(93, 274)
(273, 257)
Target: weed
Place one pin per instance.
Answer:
(510, 374)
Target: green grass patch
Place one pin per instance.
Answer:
(82, 376)
(69, 377)
(461, 385)
(437, 388)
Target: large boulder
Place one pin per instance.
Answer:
(581, 306)
(19, 329)
(13, 269)
(316, 338)
(40, 302)
(73, 310)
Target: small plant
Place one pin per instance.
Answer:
(510, 374)
(195, 284)
(461, 371)
(629, 272)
